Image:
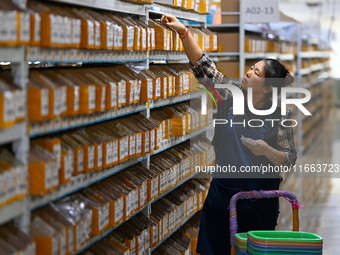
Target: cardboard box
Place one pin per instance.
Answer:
(229, 69)
(230, 5)
(228, 42)
(230, 19)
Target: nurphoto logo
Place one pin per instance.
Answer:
(238, 104)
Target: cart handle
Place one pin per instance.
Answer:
(262, 194)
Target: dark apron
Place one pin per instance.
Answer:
(253, 214)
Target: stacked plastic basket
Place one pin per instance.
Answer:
(241, 243)
(278, 243)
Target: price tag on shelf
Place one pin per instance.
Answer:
(57, 124)
(41, 127)
(48, 126)
(57, 55)
(85, 119)
(49, 55)
(64, 122)
(79, 120)
(79, 55)
(97, 56)
(65, 55)
(92, 118)
(33, 128)
(119, 111)
(97, 116)
(72, 54)
(263, 11)
(72, 121)
(107, 115)
(32, 53)
(110, 56)
(103, 56)
(113, 113)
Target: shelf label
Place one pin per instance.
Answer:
(263, 11)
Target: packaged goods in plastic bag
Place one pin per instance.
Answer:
(78, 153)
(7, 183)
(15, 180)
(115, 203)
(14, 241)
(43, 171)
(87, 89)
(7, 103)
(14, 24)
(73, 209)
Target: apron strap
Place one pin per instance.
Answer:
(265, 126)
(262, 130)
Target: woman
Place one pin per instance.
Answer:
(274, 146)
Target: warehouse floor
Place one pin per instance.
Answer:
(324, 217)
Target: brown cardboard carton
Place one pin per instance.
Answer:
(229, 69)
(228, 42)
(227, 19)
(230, 6)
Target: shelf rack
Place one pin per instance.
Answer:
(84, 180)
(108, 5)
(38, 128)
(19, 135)
(158, 9)
(173, 231)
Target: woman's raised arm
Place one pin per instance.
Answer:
(191, 47)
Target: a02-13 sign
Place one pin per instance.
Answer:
(261, 11)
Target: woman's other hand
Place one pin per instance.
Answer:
(173, 22)
(261, 148)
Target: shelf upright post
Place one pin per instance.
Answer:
(242, 36)
(299, 114)
(21, 3)
(146, 112)
(19, 71)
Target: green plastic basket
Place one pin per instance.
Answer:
(252, 252)
(285, 236)
(241, 241)
(242, 237)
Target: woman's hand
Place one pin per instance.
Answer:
(173, 22)
(261, 148)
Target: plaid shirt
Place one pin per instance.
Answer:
(206, 72)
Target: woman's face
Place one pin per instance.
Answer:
(254, 78)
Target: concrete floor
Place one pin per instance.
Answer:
(324, 217)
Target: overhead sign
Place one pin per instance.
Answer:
(261, 11)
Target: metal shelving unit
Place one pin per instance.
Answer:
(12, 54)
(84, 180)
(109, 5)
(13, 210)
(259, 55)
(314, 54)
(12, 134)
(223, 28)
(38, 128)
(19, 137)
(173, 231)
(158, 9)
